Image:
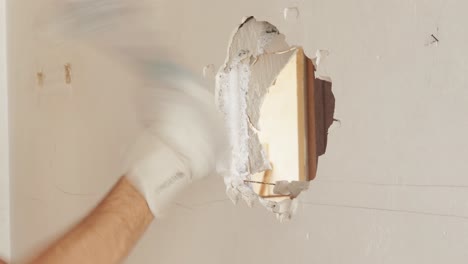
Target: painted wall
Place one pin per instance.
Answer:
(392, 187)
(4, 155)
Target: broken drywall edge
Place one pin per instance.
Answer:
(283, 210)
(256, 55)
(320, 57)
(292, 189)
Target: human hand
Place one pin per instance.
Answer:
(182, 142)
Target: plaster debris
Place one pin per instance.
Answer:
(257, 54)
(240, 91)
(291, 13)
(292, 189)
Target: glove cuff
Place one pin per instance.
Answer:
(158, 173)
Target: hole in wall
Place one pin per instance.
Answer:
(277, 114)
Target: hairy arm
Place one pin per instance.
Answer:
(107, 234)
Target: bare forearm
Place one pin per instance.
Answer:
(107, 234)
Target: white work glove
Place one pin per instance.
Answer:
(182, 142)
(183, 133)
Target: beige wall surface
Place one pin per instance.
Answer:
(4, 163)
(392, 187)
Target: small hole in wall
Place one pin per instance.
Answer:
(278, 113)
